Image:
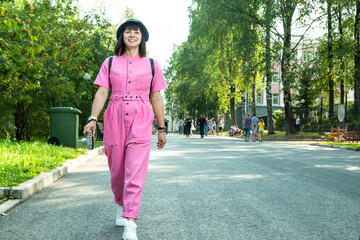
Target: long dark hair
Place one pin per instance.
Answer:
(120, 45)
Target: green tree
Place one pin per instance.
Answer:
(45, 50)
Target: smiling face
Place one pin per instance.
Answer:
(132, 37)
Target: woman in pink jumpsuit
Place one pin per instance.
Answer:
(128, 119)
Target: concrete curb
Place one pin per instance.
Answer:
(340, 147)
(32, 186)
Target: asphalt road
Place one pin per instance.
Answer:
(214, 188)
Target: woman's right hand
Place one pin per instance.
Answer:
(90, 126)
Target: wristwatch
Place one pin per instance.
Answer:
(92, 118)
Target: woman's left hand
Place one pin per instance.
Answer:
(161, 140)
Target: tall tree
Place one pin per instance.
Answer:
(268, 76)
(287, 12)
(330, 59)
(357, 60)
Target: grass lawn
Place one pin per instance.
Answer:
(298, 136)
(20, 161)
(357, 145)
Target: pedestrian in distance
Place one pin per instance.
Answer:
(221, 126)
(207, 126)
(192, 126)
(247, 126)
(255, 120)
(181, 125)
(254, 132)
(214, 127)
(188, 122)
(128, 118)
(261, 129)
(210, 125)
(201, 124)
(297, 123)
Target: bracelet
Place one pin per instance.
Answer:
(162, 131)
(161, 128)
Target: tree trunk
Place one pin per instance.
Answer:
(285, 67)
(268, 68)
(253, 96)
(357, 61)
(341, 48)
(330, 62)
(243, 111)
(232, 105)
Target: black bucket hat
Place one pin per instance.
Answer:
(135, 22)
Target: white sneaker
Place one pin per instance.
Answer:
(120, 221)
(130, 231)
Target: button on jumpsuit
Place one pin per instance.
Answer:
(128, 124)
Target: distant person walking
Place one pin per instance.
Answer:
(207, 126)
(254, 132)
(201, 124)
(188, 122)
(255, 121)
(214, 127)
(221, 126)
(297, 123)
(192, 126)
(261, 129)
(181, 125)
(210, 125)
(247, 126)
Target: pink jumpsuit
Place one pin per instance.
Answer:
(128, 124)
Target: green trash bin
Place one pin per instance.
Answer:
(64, 126)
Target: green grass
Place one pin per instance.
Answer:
(298, 136)
(20, 161)
(357, 145)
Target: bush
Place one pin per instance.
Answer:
(352, 117)
(279, 118)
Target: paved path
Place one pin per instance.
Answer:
(203, 189)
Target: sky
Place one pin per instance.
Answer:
(166, 20)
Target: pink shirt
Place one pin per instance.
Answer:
(129, 106)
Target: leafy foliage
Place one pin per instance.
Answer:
(45, 51)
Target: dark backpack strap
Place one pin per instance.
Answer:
(152, 73)
(110, 62)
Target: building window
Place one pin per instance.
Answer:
(275, 77)
(308, 56)
(275, 99)
(258, 98)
